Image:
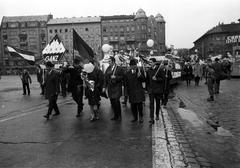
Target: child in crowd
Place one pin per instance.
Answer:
(93, 96)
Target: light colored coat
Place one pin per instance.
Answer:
(197, 70)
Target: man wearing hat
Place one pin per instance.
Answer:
(217, 67)
(134, 78)
(75, 85)
(52, 89)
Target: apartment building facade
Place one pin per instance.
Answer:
(88, 28)
(26, 33)
(219, 40)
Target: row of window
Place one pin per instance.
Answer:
(23, 24)
(123, 38)
(86, 29)
(30, 32)
(111, 21)
(127, 28)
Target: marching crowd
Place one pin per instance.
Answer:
(133, 81)
(109, 84)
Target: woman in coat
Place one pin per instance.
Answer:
(113, 78)
(133, 84)
(52, 89)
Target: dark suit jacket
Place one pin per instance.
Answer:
(40, 77)
(75, 79)
(166, 83)
(217, 67)
(134, 86)
(154, 87)
(52, 86)
(114, 86)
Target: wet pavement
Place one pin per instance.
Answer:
(185, 136)
(213, 128)
(27, 139)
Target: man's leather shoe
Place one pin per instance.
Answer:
(46, 116)
(114, 118)
(141, 120)
(157, 117)
(79, 114)
(56, 114)
(210, 99)
(133, 120)
(151, 121)
(120, 118)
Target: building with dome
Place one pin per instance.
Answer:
(127, 32)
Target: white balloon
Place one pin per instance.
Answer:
(150, 43)
(106, 48)
(88, 67)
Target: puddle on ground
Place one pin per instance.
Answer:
(222, 132)
(190, 116)
(196, 122)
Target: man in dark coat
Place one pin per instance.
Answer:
(51, 89)
(75, 85)
(133, 80)
(217, 67)
(154, 83)
(113, 78)
(167, 76)
(26, 79)
(63, 81)
(40, 78)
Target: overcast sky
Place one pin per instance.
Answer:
(186, 20)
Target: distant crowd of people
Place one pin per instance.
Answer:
(212, 70)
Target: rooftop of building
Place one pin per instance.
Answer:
(26, 18)
(222, 28)
(74, 20)
(140, 14)
(117, 17)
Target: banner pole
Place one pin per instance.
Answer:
(73, 40)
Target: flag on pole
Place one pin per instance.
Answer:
(26, 55)
(54, 50)
(81, 46)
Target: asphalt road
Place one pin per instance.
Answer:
(27, 139)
